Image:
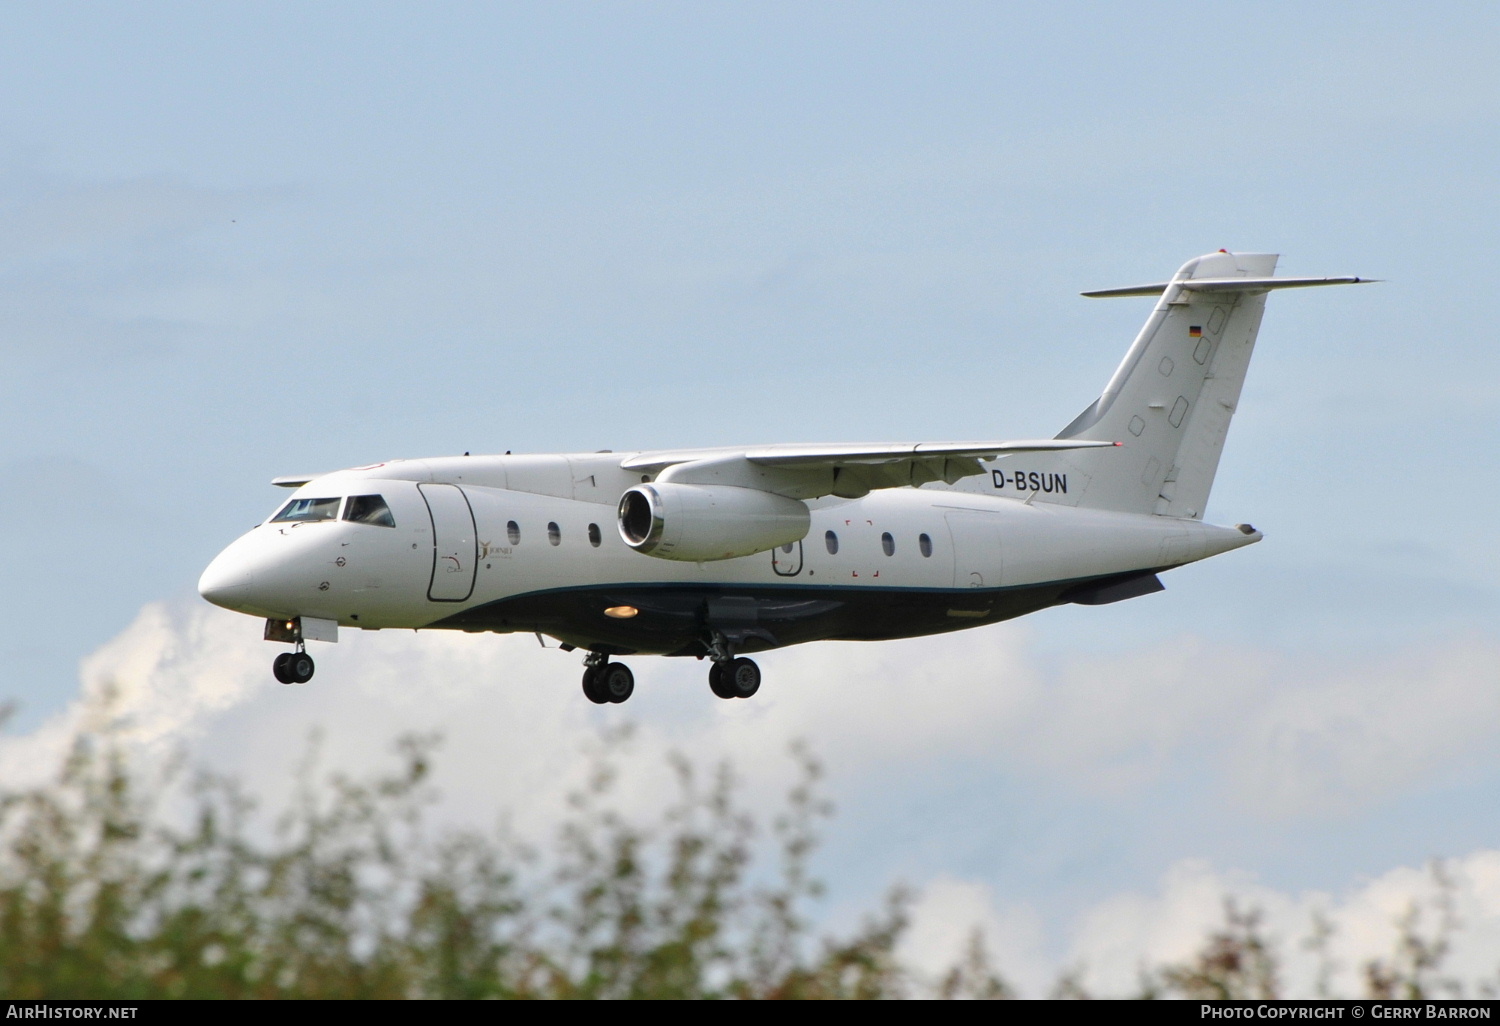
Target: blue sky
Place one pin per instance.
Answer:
(248, 240)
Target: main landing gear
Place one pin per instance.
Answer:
(729, 677)
(734, 678)
(293, 667)
(605, 682)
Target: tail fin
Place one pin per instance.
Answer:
(1172, 397)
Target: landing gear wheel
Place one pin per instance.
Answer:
(281, 668)
(740, 678)
(716, 681)
(615, 682)
(300, 667)
(591, 687)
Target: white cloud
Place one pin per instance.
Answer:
(1337, 738)
(165, 680)
(1283, 736)
(944, 919)
(1120, 935)
(1114, 940)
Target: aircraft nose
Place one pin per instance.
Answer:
(226, 581)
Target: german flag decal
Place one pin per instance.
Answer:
(1196, 331)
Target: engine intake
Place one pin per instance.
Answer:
(701, 523)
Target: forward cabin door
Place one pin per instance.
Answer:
(976, 550)
(454, 552)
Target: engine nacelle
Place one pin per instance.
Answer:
(699, 523)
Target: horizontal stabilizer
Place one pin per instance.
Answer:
(1226, 285)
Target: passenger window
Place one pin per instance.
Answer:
(925, 544)
(832, 541)
(594, 538)
(513, 532)
(369, 509)
(554, 534)
(888, 544)
(301, 511)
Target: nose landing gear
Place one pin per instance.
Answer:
(293, 667)
(605, 682)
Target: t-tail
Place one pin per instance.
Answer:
(1170, 402)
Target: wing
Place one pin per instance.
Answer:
(849, 471)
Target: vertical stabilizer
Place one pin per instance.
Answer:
(1170, 401)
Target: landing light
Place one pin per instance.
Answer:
(621, 612)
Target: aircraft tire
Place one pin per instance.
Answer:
(591, 690)
(716, 681)
(741, 678)
(300, 667)
(615, 682)
(281, 668)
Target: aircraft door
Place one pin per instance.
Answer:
(454, 552)
(786, 560)
(977, 558)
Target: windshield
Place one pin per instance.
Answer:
(369, 509)
(304, 510)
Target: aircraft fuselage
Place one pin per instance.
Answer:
(464, 551)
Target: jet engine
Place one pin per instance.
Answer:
(699, 523)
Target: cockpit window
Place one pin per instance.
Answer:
(304, 510)
(369, 509)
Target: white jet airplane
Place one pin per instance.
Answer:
(722, 552)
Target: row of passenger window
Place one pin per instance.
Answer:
(554, 534)
(830, 539)
(887, 544)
